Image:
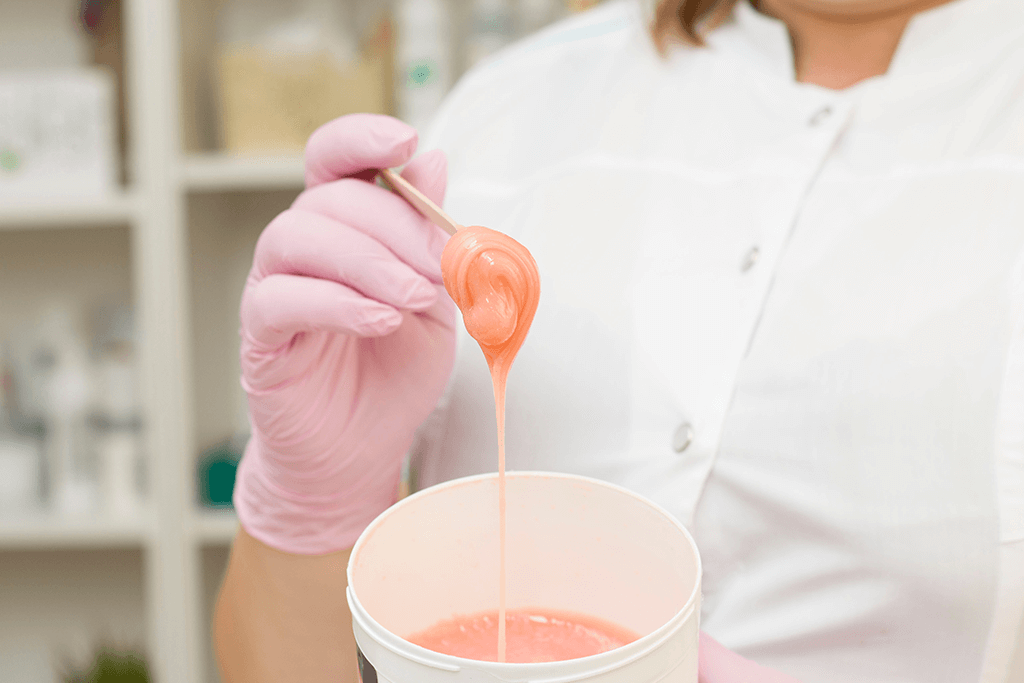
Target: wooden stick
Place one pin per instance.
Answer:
(420, 201)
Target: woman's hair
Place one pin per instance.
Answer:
(687, 20)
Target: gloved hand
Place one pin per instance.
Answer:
(718, 664)
(348, 339)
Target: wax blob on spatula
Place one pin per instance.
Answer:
(494, 281)
(492, 278)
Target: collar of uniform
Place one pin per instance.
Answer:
(948, 36)
(765, 41)
(768, 36)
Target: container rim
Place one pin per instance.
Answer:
(604, 661)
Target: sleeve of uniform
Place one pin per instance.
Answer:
(1004, 657)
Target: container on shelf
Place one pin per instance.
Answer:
(21, 454)
(116, 419)
(282, 73)
(57, 133)
(492, 27)
(102, 21)
(70, 389)
(20, 472)
(117, 448)
(215, 473)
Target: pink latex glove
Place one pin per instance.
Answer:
(718, 664)
(348, 338)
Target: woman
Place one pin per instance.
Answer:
(783, 295)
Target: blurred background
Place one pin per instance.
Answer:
(144, 144)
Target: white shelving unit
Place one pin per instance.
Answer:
(176, 242)
(212, 172)
(67, 585)
(214, 527)
(43, 532)
(49, 213)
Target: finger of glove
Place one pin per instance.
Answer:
(281, 306)
(382, 215)
(312, 245)
(429, 174)
(355, 143)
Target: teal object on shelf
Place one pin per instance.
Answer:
(216, 474)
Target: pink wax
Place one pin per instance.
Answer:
(530, 636)
(494, 281)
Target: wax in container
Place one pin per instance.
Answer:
(575, 546)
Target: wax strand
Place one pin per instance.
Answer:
(499, 404)
(494, 281)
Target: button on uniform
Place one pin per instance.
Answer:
(749, 259)
(683, 437)
(820, 116)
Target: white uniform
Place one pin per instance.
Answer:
(821, 291)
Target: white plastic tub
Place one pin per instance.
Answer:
(574, 545)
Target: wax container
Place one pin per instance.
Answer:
(574, 545)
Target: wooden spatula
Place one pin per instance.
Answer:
(420, 201)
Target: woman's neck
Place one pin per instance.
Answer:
(837, 43)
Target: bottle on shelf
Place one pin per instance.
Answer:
(492, 27)
(20, 453)
(215, 472)
(423, 58)
(68, 391)
(533, 15)
(217, 466)
(116, 419)
(71, 426)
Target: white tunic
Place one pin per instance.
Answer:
(824, 289)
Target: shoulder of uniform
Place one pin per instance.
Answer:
(608, 24)
(574, 49)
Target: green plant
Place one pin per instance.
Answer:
(111, 666)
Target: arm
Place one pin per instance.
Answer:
(283, 617)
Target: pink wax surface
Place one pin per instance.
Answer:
(530, 636)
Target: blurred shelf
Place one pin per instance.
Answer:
(214, 527)
(225, 172)
(42, 531)
(63, 212)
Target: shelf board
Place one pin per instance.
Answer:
(43, 531)
(63, 212)
(230, 172)
(214, 527)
